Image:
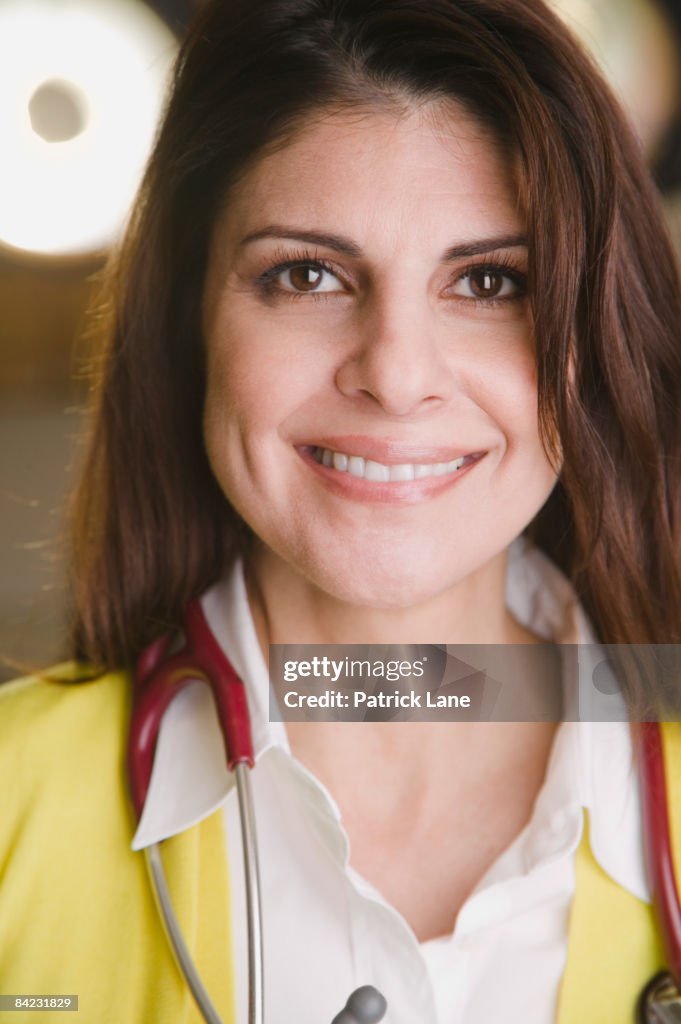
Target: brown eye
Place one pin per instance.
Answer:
(296, 277)
(490, 283)
(486, 284)
(305, 278)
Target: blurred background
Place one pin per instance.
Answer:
(82, 83)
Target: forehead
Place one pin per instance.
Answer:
(383, 173)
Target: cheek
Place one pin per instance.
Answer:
(255, 385)
(237, 372)
(264, 368)
(511, 400)
(243, 387)
(523, 419)
(503, 383)
(516, 395)
(231, 407)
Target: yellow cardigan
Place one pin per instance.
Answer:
(77, 915)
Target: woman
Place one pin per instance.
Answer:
(394, 358)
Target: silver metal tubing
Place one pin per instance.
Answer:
(253, 902)
(253, 912)
(172, 927)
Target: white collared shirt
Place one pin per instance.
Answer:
(327, 930)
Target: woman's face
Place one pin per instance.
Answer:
(371, 407)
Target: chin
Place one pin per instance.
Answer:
(393, 583)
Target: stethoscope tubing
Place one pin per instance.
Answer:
(256, 943)
(249, 844)
(159, 676)
(658, 843)
(184, 961)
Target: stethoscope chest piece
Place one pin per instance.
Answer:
(660, 1001)
(366, 1005)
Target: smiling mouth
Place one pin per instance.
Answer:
(378, 472)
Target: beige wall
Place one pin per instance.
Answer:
(43, 311)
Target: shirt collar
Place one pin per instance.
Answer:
(591, 765)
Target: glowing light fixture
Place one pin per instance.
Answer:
(81, 87)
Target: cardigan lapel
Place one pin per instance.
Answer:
(614, 946)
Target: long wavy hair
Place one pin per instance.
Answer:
(150, 527)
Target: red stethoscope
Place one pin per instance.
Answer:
(660, 1001)
(160, 675)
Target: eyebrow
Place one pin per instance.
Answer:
(347, 247)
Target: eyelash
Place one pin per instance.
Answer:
(287, 260)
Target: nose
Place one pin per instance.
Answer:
(397, 359)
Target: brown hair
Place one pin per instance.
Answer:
(151, 528)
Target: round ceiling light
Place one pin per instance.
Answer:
(82, 83)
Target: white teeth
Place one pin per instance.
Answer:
(402, 472)
(368, 469)
(356, 466)
(376, 471)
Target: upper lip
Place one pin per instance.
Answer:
(390, 451)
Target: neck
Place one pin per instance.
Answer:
(288, 608)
